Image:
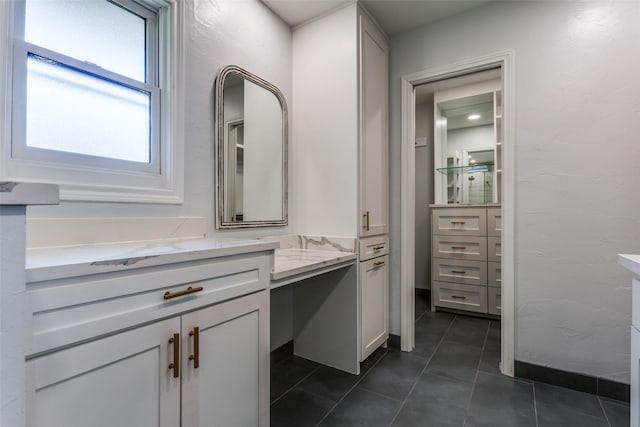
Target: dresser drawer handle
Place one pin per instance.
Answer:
(377, 248)
(189, 290)
(458, 297)
(458, 272)
(457, 222)
(462, 248)
(378, 263)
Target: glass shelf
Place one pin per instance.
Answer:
(469, 184)
(485, 167)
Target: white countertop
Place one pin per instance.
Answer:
(64, 262)
(295, 264)
(631, 262)
(28, 193)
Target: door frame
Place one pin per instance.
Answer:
(505, 60)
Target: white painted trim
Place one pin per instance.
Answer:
(504, 59)
(81, 182)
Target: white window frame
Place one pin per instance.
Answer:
(89, 178)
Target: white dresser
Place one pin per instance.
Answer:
(466, 268)
(632, 262)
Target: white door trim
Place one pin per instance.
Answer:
(505, 60)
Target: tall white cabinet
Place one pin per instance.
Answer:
(340, 155)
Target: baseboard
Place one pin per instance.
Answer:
(581, 382)
(282, 352)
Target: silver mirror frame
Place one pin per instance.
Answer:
(219, 149)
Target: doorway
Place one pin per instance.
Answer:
(503, 62)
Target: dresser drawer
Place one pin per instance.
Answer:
(494, 274)
(459, 271)
(494, 222)
(459, 221)
(494, 249)
(460, 247)
(459, 296)
(371, 247)
(494, 296)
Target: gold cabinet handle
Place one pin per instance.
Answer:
(189, 290)
(462, 248)
(366, 221)
(457, 222)
(377, 248)
(458, 271)
(175, 365)
(458, 297)
(196, 347)
(378, 263)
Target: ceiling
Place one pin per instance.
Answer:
(394, 16)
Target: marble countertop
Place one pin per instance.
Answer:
(292, 262)
(64, 262)
(28, 193)
(631, 262)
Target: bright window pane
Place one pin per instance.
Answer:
(95, 31)
(71, 111)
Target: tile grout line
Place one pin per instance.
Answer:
(475, 380)
(606, 417)
(535, 402)
(295, 385)
(351, 388)
(413, 386)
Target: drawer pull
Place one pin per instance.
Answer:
(458, 297)
(378, 263)
(377, 248)
(196, 347)
(458, 271)
(189, 290)
(462, 248)
(175, 365)
(458, 222)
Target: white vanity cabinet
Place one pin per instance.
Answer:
(374, 294)
(148, 341)
(466, 258)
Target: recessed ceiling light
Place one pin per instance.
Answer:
(472, 161)
(473, 116)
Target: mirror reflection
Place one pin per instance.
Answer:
(467, 141)
(251, 150)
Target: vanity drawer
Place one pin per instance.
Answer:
(375, 246)
(459, 271)
(494, 222)
(459, 221)
(494, 249)
(65, 311)
(459, 247)
(494, 274)
(494, 296)
(459, 296)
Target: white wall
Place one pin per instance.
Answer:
(577, 111)
(220, 32)
(424, 194)
(325, 157)
(465, 138)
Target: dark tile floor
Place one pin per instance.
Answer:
(450, 379)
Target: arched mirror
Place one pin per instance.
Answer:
(251, 151)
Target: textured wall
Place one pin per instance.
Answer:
(577, 107)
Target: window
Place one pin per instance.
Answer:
(95, 86)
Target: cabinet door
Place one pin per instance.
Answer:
(374, 157)
(120, 380)
(230, 385)
(374, 310)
